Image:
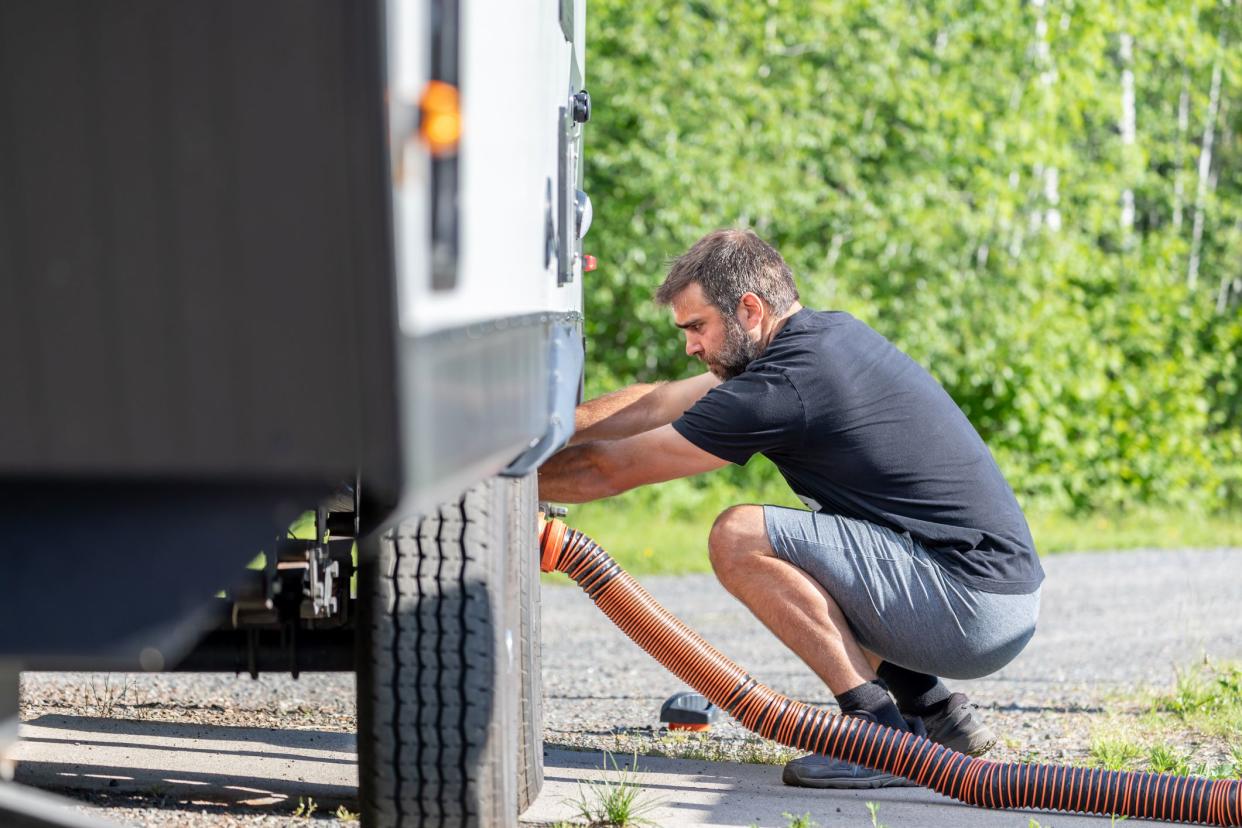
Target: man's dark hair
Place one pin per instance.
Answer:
(727, 264)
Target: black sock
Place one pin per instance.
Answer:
(917, 694)
(872, 697)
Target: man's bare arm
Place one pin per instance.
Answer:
(637, 408)
(607, 467)
(612, 415)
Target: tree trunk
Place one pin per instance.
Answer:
(1183, 126)
(1205, 168)
(1127, 134)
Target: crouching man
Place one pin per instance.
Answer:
(914, 562)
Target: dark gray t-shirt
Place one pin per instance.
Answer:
(859, 429)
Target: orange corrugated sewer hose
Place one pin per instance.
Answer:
(792, 723)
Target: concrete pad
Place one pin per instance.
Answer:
(251, 766)
(731, 795)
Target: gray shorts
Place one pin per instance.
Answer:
(898, 600)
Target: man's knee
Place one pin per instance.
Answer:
(738, 536)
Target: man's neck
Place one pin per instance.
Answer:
(776, 326)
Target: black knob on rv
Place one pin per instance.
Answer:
(582, 107)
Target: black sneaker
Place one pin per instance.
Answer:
(958, 728)
(817, 771)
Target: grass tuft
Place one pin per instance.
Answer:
(1164, 758)
(616, 801)
(1113, 753)
(105, 696)
(306, 807)
(1207, 698)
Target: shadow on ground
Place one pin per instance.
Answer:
(221, 768)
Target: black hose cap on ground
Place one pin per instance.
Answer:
(689, 710)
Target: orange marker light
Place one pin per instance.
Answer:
(589, 263)
(440, 121)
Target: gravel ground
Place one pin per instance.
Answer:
(1111, 623)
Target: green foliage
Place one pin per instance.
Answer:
(954, 174)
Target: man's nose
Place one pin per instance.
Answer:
(693, 348)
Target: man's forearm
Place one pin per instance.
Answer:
(574, 475)
(622, 413)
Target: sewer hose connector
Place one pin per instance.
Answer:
(804, 727)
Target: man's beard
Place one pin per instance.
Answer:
(737, 352)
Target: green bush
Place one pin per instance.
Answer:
(953, 173)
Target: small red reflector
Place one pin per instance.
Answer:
(588, 263)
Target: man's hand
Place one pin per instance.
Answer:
(604, 468)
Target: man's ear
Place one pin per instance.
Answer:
(750, 310)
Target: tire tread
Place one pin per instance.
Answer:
(426, 655)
